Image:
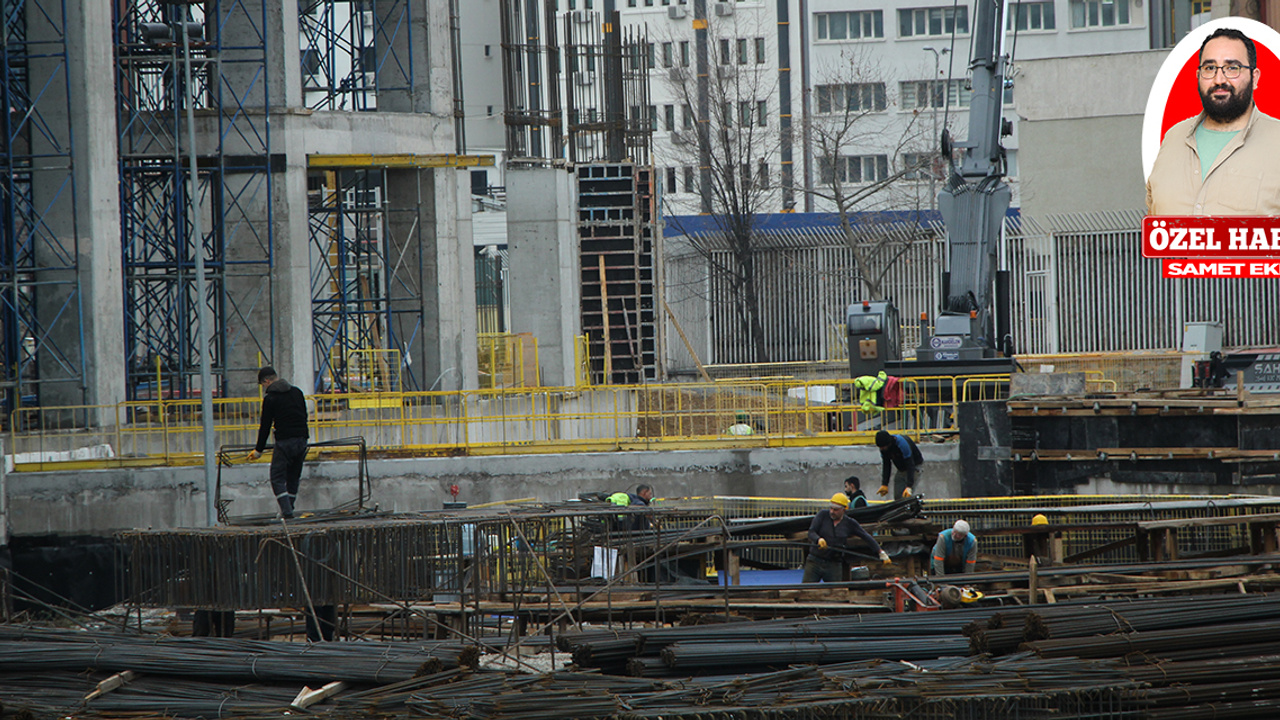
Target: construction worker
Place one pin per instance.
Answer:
(284, 407)
(955, 552)
(741, 426)
(642, 496)
(871, 391)
(853, 490)
(828, 534)
(901, 452)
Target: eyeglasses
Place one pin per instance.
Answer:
(1230, 71)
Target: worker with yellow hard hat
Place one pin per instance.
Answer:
(828, 535)
(1039, 519)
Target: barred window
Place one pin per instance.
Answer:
(854, 97)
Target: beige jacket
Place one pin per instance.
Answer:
(1244, 180)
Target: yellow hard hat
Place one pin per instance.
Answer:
(969, 595)
(1039, 519)
(840, 499)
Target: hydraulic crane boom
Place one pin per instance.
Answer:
(973, 204)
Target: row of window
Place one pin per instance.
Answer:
(757, 177)
(848, 169)
(870, 97)
(927, 22)
(744, 112)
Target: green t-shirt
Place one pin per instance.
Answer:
(1209, 144)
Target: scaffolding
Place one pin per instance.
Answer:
(41, 304)
(351, 279)
(354, 52)
(231, 95)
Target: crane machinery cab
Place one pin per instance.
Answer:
(874, 336)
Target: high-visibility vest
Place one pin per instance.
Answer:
(869, 387)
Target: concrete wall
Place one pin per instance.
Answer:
(109, 500)
(1080, 147)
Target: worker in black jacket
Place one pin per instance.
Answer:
(284, 407)
(901, 452)
(828, 534)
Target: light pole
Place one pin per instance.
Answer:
(933, 176)
(157, 32)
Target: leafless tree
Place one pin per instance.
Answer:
(850, 112)
(728, 130)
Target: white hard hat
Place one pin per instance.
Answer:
(961, 527)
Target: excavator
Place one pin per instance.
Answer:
(971, 335)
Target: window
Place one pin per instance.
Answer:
(689, 185)
(670, 189)
(934, 94)
(851, 25)
(650, 52)
(744, 169)
(744, 112)
(724, 51)
(742, 51)
(762, 175)
(686, 117)
(762, 113)
(854, 169)
(488, 110)
(921, 166)
(1099, 13)
(488, 51)
(760, 51)
(684, 53)
(1032, 16)
(668, 55)
(668, 117)
(918, 22)
(653, 117)
(859, 97)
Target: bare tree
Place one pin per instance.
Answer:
(848, 114)
(728, 130)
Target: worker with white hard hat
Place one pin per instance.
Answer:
(956, 551)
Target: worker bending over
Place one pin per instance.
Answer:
(955, 552)
(901, 452)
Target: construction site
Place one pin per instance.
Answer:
(195, 190)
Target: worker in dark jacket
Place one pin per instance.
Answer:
(828, 534)
(901, 452)
(284, 407)
(853, 490)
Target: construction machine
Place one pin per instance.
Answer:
(971, 335)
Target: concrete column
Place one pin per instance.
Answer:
(426, 49)
(432, 286)
(545, 267)
(88, 329)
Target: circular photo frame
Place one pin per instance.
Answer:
(1175, 94)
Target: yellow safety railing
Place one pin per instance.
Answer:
(508, 360)
(777, 411)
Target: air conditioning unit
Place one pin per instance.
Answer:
(582, 16)
(677, 74)
(585, 78)
(726, 71)
(724, 9)
(677, 12)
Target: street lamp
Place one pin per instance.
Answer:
(933, 83)
(160, 34)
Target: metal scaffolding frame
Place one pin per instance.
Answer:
(39, 248)
(356, 268)
(232, 99)
(352, 50)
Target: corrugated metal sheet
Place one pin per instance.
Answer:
(1079, 284)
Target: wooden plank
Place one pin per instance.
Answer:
(111, 683)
